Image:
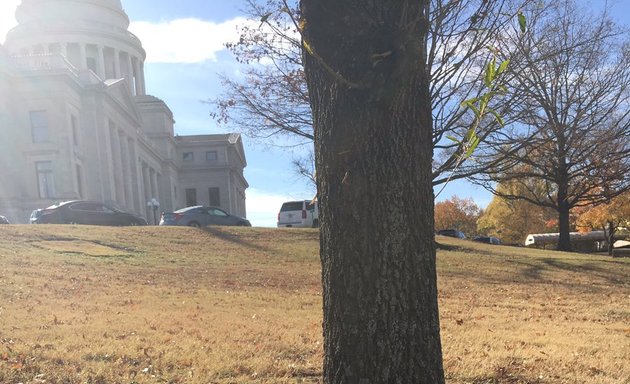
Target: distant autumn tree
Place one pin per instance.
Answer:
(512, 220)
(572, 75)
(607, 217)
(269, 99)
(457, 213)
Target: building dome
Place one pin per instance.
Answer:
(82, 21)
(104, 13)
(89, 34)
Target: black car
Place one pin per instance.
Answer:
(86, 212)
(4, 220)
(452, 233)
(487, 240)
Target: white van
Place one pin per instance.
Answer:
(302, 214)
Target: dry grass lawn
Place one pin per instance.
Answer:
(83, 304)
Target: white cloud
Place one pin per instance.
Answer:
(263, 207)
(7, 16)
(187, 40)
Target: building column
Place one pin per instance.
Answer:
(146, 187)
(118, 167)
(82, 56)
(154, 185)
(101, 62)
(143, 87)
(230, 192)
(110, 158)
(117, 74)
(126, 168)
(136, 75)
(135, 179)
(130, 74)
(154, 193)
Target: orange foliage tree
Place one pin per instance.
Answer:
(513, 220)
(608, 217)
(457, 213)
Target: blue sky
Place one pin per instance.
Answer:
(184, 40)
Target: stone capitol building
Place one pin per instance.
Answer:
(76, 122)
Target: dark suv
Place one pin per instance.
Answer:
(452, 233)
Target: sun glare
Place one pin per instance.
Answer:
(7, 17)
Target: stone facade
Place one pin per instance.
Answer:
(76, 123)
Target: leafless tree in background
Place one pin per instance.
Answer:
(572, 76)
(271, 102)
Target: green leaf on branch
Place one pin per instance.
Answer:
(490, 72)
(470, 103)
(452, 138)
(497, 117)
(503, 66)
(522, 22)
(472, 144)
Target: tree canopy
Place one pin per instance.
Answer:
(272, 101)
(457, 213)
(571, 76)
(512, 220)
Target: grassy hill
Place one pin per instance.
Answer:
(83, 304)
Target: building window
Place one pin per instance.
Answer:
(191, 197)
(188, 157)
(214, 197)
(45, 180)
(39, 126)
(212, 156)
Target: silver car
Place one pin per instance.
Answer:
(200, 216)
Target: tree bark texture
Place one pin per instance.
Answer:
(372, 118)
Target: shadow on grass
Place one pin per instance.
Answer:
(580, 273)
(571, 270)
(446, 247)
(612, 275)
(234, 238)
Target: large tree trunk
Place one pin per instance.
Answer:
(610, 236)
(372, 119)
(564, 241)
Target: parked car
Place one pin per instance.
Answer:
(452, 233)
(4, 220)
(200, 216)
(85, 212)
(487, 240)
(302, 213)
